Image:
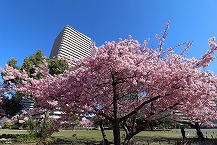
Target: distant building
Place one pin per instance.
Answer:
(56, 114)
(71, 43)
(28, 104)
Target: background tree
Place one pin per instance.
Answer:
(30, 64)
(57, 66)
(13, 63)
(33, 62)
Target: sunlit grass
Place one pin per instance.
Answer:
(86, 136)
(95, 135)
(12, 131)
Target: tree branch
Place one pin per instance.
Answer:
(140, 106)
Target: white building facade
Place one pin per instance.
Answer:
(71, 43)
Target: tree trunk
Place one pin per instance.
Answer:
(199, 132)
(103, 133)
(116, 121)
(183, 133)
(116, 133)
(127, 139)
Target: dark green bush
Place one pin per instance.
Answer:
(27, 138)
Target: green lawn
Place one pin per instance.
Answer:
(144, 137)
(67, 134)
(95, 135)
(12, 131)
(84, 136)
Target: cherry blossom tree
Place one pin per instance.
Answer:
(86, 123)
(125, 81)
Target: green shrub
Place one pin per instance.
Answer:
(38, 127)
(27, 138)
(30, 125)
(8, 125)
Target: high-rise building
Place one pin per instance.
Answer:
(71, 43)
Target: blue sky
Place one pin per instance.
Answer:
(29, 25)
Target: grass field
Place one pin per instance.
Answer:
(95, 136)
(12, 131)
(87, 136)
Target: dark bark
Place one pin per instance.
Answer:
(103, 133)
(115, 121)
(199, 132)
(140, 107)
(127, 139)
(196, 126)
(183, 133)
(126, 131)
(130, 133)
(141, 125)
(116, 133)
